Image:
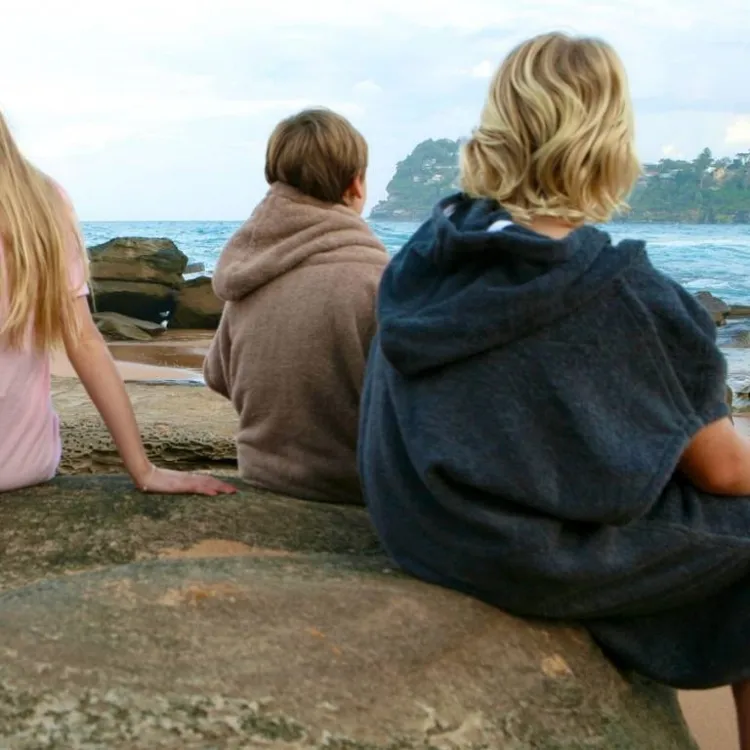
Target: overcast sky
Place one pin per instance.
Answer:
(160, 109)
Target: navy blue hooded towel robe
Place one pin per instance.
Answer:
(526, 404)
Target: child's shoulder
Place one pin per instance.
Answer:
(669, 303)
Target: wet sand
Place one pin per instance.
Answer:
(710, 713)
(711, 718)
(174, 356)
(178, 356)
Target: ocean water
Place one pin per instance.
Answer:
(715, 258)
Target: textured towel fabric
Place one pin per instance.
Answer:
(526, 404)
(299, 279)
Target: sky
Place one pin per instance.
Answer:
(160, 109)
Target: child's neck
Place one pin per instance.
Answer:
(551, 226)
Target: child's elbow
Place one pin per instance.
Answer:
(718, 460)
(725, 476)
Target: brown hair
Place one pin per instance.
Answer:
(318, 152)
(556, 136)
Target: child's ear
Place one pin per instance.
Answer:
(356, 190)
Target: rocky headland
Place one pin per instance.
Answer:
(704, 190)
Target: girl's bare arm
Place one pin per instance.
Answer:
(98, 372)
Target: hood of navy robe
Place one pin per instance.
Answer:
(526, 404)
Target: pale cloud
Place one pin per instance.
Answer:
(83, 138)
(670, 151)
(484, 69)
(738, 132)
(367, 88)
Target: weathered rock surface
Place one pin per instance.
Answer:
(736, 333)
(307, 641)
(718, 308)
(183, 427)
(138, 259)
(116, 327)
(739, 311)
(197, 306)
(137, 276)
(79, 523)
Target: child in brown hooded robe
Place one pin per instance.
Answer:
(299, 279)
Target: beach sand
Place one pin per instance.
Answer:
(710, 713)
(174, 356)
(711, 718)
(178, 356)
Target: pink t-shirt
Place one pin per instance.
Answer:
(29, 427)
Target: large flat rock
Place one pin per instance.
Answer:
(79, 523)
(145, 622)
(183, 427)
(302, 651)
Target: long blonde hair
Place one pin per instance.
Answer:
(39, 231)
(556, 136)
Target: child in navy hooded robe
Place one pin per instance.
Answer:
(533, 389)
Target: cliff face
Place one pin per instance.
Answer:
(427, 174)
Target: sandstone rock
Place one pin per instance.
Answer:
(137, 277)
(305, 642)
(182, 427)
(739, 311)
(118, 327)
(194, 268)
(143, 300)
(197, 306)
(79, 523)
(138, 259)
(718, 308)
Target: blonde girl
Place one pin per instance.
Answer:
(544, 423)
(43, 306)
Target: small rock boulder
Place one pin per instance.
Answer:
(138, 259)
(137, 277)
(197, 306)
(718, 309)
(735, 333)
(116, 327)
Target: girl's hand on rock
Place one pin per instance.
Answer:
(169, 482)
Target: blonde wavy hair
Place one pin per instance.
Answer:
(38, 230)
(556, 136)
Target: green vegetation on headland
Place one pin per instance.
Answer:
(702, 191)
(429, 173)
